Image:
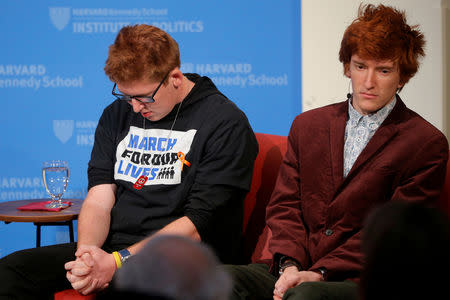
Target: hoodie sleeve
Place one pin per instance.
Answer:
(223, 177)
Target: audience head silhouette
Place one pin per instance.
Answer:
(173, 267)
(406, 248)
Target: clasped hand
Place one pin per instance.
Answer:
(292, 277)
(91, 271)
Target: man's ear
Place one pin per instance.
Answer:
(177, 77)
(347, 70)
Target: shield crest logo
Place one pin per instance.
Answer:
(59, 16)
(63, 129)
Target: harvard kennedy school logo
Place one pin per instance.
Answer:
(60, 16)
(63, 129)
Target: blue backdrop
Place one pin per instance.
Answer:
(53, 88)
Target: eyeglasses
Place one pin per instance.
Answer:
(142, 99)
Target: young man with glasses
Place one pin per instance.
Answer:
(341, 161)
(172, 155)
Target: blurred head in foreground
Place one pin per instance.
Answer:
(173, 267)
(406, 248)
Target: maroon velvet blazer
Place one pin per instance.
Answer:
(316, 215)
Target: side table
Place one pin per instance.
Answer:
(9, 213)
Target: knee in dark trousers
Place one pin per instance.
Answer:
(251, 282)
(346, 290)
(304, 291)
(35, 273)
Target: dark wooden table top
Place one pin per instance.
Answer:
(10, 213)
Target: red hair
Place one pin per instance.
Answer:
(141, 52)
(381, 33)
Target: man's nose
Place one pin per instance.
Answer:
(369, 81)
(137, 105)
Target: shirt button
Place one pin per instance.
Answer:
(328, 232)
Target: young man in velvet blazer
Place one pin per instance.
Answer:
(343, 160)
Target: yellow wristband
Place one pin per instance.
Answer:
(117, 259)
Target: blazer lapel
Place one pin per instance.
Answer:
(337, 132)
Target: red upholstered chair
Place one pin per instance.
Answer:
(271, 152)
(72, 295)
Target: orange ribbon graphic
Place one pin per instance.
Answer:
(183, 161)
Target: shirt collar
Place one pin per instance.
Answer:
(371, 121)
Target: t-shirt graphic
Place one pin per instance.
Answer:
(155, 153)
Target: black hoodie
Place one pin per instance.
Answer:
(201, 169)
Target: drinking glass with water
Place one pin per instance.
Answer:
(55, 174)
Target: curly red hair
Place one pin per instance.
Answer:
(141, 52)
(381, 33)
